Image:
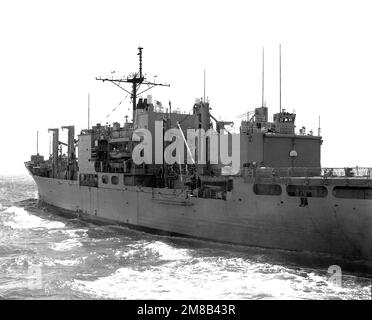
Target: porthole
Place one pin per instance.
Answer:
(114, 180)
(267, 189)
(105, 179)
(307, 191)
(348, 192)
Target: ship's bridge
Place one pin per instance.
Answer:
(284, 122)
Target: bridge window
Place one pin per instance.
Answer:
(114, 180)
(267, 189)
(348, 192)
(105, 179)
(307, 191)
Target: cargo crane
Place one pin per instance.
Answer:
(221, 124)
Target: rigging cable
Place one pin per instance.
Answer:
(114, 108)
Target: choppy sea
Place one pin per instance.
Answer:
(46, 256)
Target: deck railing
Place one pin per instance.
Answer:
(357, 172)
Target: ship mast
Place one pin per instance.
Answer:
(263, 75)
(37, 142)
(88, 111)
(204, 88)
(280, 78)
(136, 79)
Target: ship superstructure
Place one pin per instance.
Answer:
(280, 197)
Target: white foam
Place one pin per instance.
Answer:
(66, 245)
(21, 219)
(157, 249)
(167, 252)
(50, 262)
(127, 254)
(210, 278)
(67, 262)
(76, 233)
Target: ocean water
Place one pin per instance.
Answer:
(46, 256)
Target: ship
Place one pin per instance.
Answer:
(279, 197)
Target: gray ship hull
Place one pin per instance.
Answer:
(341, 227)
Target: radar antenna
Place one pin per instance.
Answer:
(136, 79)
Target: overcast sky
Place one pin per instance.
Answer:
(51, 52)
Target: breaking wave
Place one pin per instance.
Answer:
(21, 219)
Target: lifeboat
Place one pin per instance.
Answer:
(118, 154)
